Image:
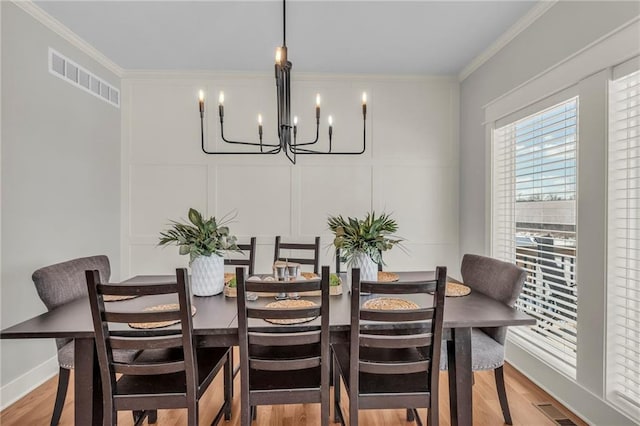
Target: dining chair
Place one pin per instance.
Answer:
(501, 281)
(59, 284)
(169, 371)
(280, 364)
(392, 369)
(249, 259)
(294, 247)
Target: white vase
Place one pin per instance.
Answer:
(207, 275)
(368, 268)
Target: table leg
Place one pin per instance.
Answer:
(460, 377)
(88, 390)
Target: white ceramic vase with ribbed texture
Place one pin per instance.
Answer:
(207, 275)
(368, 268)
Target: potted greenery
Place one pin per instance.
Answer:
(362, 241)
(204, 241)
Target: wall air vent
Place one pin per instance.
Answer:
(69, 71)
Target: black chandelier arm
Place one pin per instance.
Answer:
(276, 148)
(294, 144)
(305, 151)
(259, 144)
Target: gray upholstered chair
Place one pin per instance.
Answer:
(59, 284)
(501, 281)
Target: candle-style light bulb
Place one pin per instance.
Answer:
(201, 102)
(260, 128)
(295, 120)
(260, 119)
(330, 121)
(330, 131)
(364, 104)
(221, 105)
(295, 127)
(278, 55)
(318, 108)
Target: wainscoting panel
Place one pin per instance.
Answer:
(411, 159)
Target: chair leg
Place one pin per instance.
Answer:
(228, 385)
(254, 413)
(153, 416)
(337, 413)
(63, 384)
(410, 416)
(502, 394)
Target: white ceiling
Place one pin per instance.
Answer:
(379, 37)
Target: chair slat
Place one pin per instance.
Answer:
(284, 364)
(146, 343)
(277, 313)
(136, 290)
(297, 246)
(397, 315)
(393, 368)
(149, 369)
(284, 339)
(126, 317)
(410, 287)
(389, 341)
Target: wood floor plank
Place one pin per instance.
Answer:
(36, 407)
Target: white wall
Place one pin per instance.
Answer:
(410, 167)
(60, 183)
(562, 31)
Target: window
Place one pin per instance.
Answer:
(623, 265)
(534, 224)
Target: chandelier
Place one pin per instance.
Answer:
(287, 129)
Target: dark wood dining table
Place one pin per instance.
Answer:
(215, 325)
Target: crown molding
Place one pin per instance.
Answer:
(141, 74)
(63, 31)
(522, 24)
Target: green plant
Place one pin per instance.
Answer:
(200, 237)
(371, 235)
(334, 280)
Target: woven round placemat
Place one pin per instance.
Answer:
(387, 277)
(160, 324)
(457, 290)
(116, 298)
(299, 303)
(389, 304)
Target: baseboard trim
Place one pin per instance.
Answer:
(19, 387)
(582, 402)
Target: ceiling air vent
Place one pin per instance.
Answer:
(64, 68)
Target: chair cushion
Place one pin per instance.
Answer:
(382, 383)
(65, 355)
(486, 353)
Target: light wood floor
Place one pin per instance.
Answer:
(36, 407)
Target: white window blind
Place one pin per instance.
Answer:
(534, 224)
(623, 283)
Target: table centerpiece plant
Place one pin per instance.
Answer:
(204, 241)
(362, 241)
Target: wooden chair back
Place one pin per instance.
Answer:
(314, 248)
(419, 329)
(249, 259)
(110, 335)
(288, 351)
